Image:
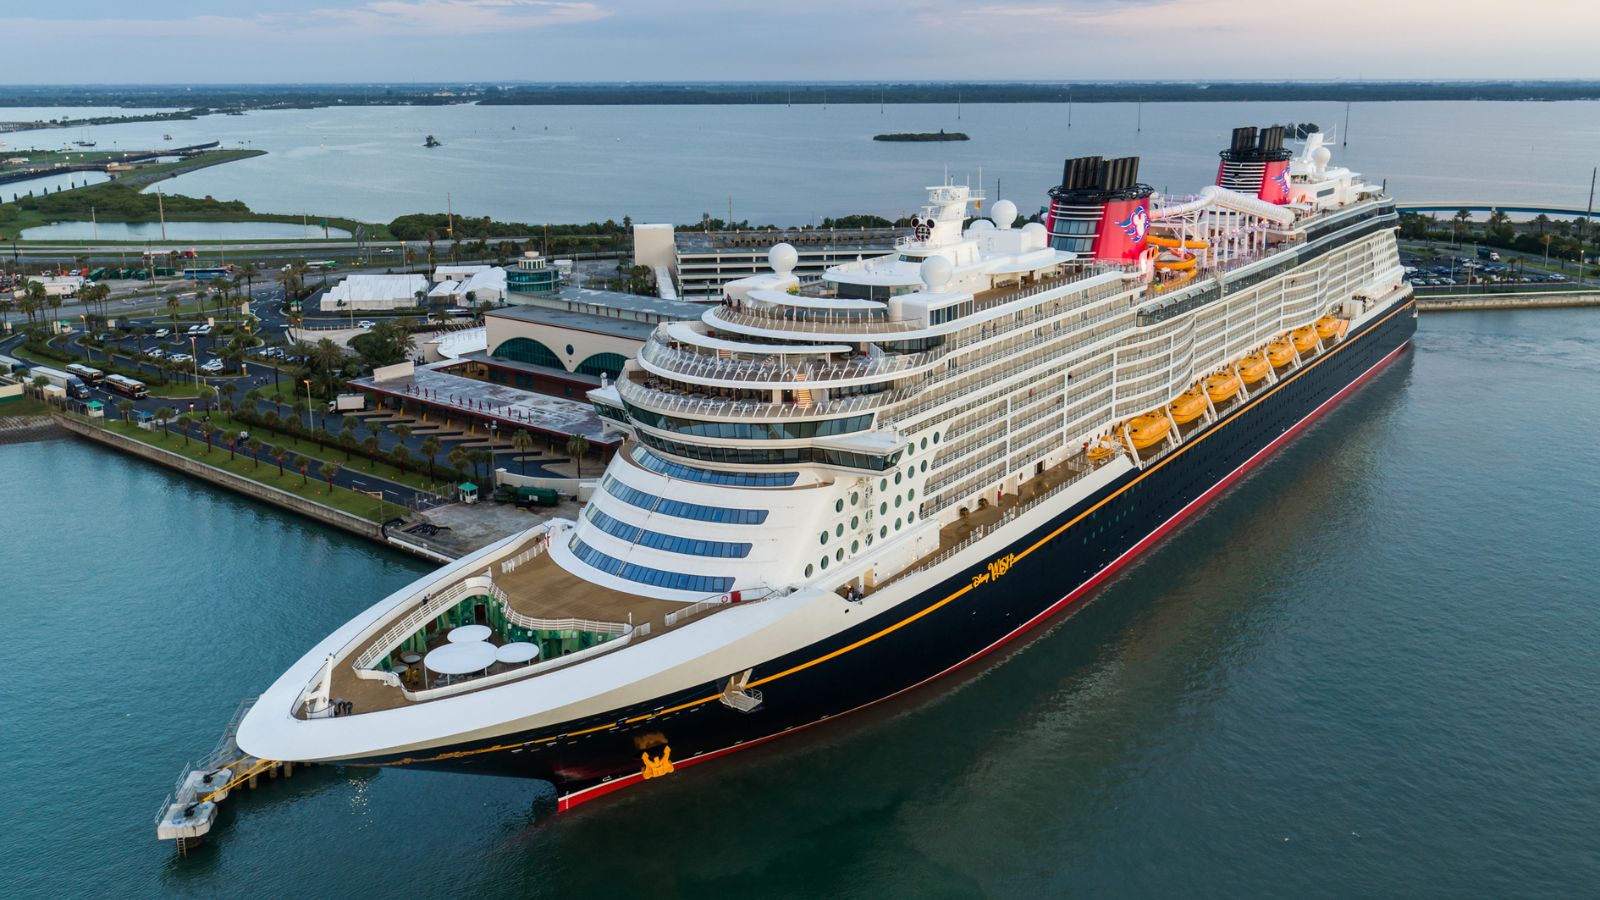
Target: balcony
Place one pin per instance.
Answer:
(711, 407)
(807, 373)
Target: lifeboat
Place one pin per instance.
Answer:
(1189, 406)
(1100, 450)
(1280, 353)
(1304, 338)
(1252, 368)
(1221, 387)
(1328, 327)
(1148, 429)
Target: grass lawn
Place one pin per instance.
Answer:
(23, 406)
(308, 448)
(263, 472)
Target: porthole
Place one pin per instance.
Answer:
(897, 478)
(838, 505)
(855, 522)
(910, 517)
(884, 531)
(855, 546)
(569, 350)
(824, 564)
(911, 494)
(936, 437)
(824, 538)
(897, 524)
(883, 484)
(911, 471)
(855, 497)
(924, 465)
(809, 569)
(838, 555)
(897, 500)
(838, 530)
(924, 443)
(911, 449)
(883, 508)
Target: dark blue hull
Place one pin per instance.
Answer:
(968, 614)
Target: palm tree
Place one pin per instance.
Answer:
(248, 272)
(401, 431)
(228, 390)
(522, 442)
(278, 455)
(206, 431)
(164, 416)
(458, 460)
(430, 449)
(299, 406)
(401, 456)
(172, 309)
(231, 438)
(271, 421)
(347, 436)
(252, 400)
(184, 421)
(126, 408)
(330, 471)
(207, 394)
(254, 446)
(303, 464)
(370, 444)
(577, 446)
(479, 457)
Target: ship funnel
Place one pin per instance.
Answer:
(1256, 162)
(1100, 209)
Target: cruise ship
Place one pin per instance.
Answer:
(833, 492)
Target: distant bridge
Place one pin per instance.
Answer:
(1476, 206)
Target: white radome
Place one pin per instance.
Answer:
(1003, 214)
(1034, 236)
(783, 257)
(936, 272)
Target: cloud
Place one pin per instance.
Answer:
(378, 18)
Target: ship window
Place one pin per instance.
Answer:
(668, 542)
(911, 494)
(897, 500)
(936, 437)
(838, 555)
(924, 443)
(677, 581)
(855, 522)
(855, 497)
(854, 546)
(884, 531)
(883, 484)
(647, 501)
(883, 508)
(824, 538)
(838, 505)
(924, 465)
(896, 524)
(809, 569)
(910, 517)
(838, 530)
(656, 464)
(824, 564)
(897, 478)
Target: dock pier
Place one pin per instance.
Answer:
(190, 811)
(1508, 300)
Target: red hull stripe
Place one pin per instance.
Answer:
(568, 801)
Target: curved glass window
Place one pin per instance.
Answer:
(656, 464)
(778, 456)
(669, 542)
(528, 350)
(809, 569)
(750, 431)
(838, 505)
(609, 364)
(677, 581)
(647, 501)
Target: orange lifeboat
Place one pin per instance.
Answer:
(1304, 338)
(1328, 327)
(1220, 387)
(1280, 353)
(1101, 450)
(1148, 429)
(1252, 368)
(1189, 406)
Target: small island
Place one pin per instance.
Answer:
(940, 135)
(432, 142)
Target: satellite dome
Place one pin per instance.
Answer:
(1004, 213)
(1034, 236)
(980, 226)
(936, 273)
(782, 257)
(1320, 157)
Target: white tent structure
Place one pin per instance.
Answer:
(363, 292)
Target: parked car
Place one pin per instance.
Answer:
(364, 323)
(161, 333)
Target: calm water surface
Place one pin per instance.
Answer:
(179, 231)
(789, 165)
(1369, 670)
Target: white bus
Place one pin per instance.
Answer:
(125, 386)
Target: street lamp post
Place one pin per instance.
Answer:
(310, 410)
(194, 361)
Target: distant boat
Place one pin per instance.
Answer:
(166, 137)
(432, 142)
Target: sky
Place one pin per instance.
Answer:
(283, 41)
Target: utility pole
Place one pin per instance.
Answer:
(161, 210)
(1344, 139)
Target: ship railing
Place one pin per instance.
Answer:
(541, 542)
(665, 401)
(717, 602)
(813, 372)
(365, 664)
(753, 319)
(1079, 468)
